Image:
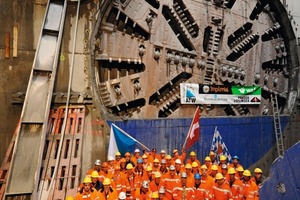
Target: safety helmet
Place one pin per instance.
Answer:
(127, 154)
(188, 166)
(149, 168)
(194, 164)
(235, 157)
(106, 181)
(178, 161)
(163, 161)
(212, 153)
(122, 195)
(192, 153)
(145, 184)
(162, 151)
(129, 166)
(258, 170)
(224, 166)
(240, 169)
(175, 150)
(203, 167)
(207, 158)
(69, 198)
(168, 157)
(98, 162)
(214, 167)
(139, 160)
(157, 175)
(110, 158)
(154, 195)
(197, 176)
(144, 156)
(231, 170)
(172, 167)
(118, 153)
(161, 190)
(247, 173)
(136, 151)
(222, 158)
(183, 175)
(87, 180)
(219, 176)
(156, 160)
(95, 174)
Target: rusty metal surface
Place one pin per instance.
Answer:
(141, 47)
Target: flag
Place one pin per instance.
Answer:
(194, 131)
(218, 146)
(120, 141)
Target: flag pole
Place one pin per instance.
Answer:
(130, 137)
(213, 138)
(190, 128)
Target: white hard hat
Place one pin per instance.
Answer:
(122, 195)
(98, 162)
(110, 158)
(178, 161)
(136, 151)
(145, 184)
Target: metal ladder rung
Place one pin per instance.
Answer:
(50, 32)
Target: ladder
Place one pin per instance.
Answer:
(25, 168)
(277, 126)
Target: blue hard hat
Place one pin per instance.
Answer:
(197, 176)
(140, 160)
(235, 157)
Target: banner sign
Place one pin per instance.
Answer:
(219, 94)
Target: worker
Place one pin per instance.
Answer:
(195, 168)
(206, 180)
(161, 193)
(214, 170)
(190, 175)
(155, 165)
(136, 156)
(224, 171)
(258, 178)
(170, 179)
(117, 158)
(162, 155)
(156, 183)
(221, 191)
(111, 163)
(169, 161)
(130, 179)
(212, 157)
(235, 163)
(163, 166)
(250, 189)
(193, 158)
(178, 167)
(182, 191)
(104, 172)
(148, 176)
(139, 173)
(128, 159)
(87, 192)
(143, 193)
(118, 179)
(97, 167)
(223, 160)
(235, 185)
(200, 192)
(240, 172)
(96, 183)
(207, 162)
(123, 165)
(107, 193)
(154, 196)
(122, 196)
(152, 155)
(145, 162)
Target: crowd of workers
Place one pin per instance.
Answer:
(165, 177)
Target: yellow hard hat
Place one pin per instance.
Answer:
(188, 166)
(247, 173)
(222, 157)
(129, 166)
(258, 170)
(118, 153)
(149, 168)
(194, 164)
(212, 153)
(87, 180)
(144, 156)
(207, 158)
(203, 167)
(154, 195)
(156, 160)
(95, 174)
(157, 175)
(192, 153)
(106, 181)
(214, 167)
(231, 170)
(240, 169)
(175, 150)
(168, 157)
(219, 176)
(69, 198)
